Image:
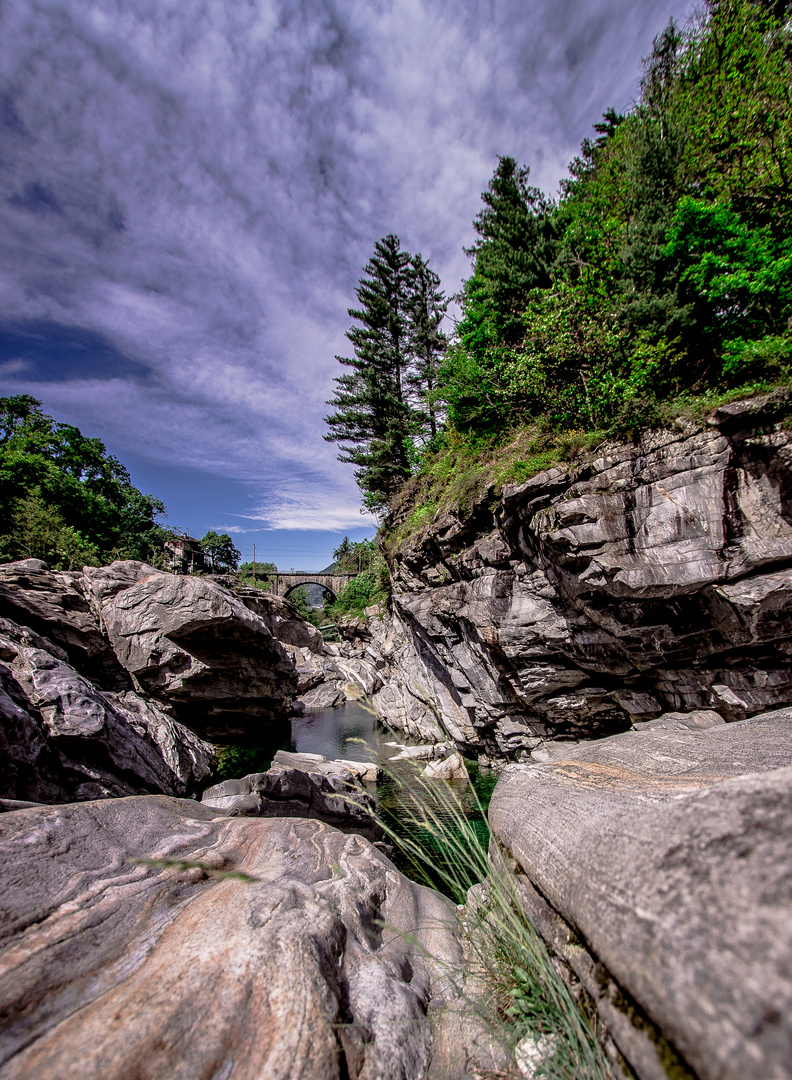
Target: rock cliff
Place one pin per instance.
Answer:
(655, 576)
(111, 679)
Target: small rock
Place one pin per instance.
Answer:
(450, 768)
(532, 1051)
(325, 696)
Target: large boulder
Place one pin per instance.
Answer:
(247, 948)
(656, 865)
(58, 607)
(61, 738)
(296, 787)
(196, 647)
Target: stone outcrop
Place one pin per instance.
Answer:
(656, 865)
(250, 948)
(194, 645)
(62, 738)
(109, 677)
(306, 786)
(654, 577)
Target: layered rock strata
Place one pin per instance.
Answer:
(306, 786)
(110, 677)
(656, 865)
(656, 576)
(155, 937)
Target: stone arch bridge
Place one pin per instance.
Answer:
(282, 584)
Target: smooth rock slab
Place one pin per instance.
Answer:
(324, 967)
(667, 853)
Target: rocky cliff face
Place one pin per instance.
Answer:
(111, 679)
(656, 576)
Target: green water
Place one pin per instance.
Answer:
(353, 732)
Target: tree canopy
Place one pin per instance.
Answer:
(220, 551)
(385, 403)
(64, 499)
(663, 270)
(665, 266)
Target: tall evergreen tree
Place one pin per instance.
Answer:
(426, 309)
(372, 421)
(514, 251)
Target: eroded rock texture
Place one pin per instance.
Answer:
(62, 738)
(656, 577)
(329, 964)
(306, 786)
(109, 678)
(656, 864)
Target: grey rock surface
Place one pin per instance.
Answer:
(265, 948)
(319, 790)
(328, 695)
(654, 577)
(448, 768)
(61, 738)
(57, 606)
(109, 677)
(656, 863)
(195, 646)
(360, 770)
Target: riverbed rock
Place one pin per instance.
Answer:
(193, 645)
(62, 738)
(449, 768)
(328, 695)
(335, 797)
(656, 865)
(422, 752)
(249, 948)
(651, 577)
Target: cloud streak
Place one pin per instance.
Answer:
(197, 185)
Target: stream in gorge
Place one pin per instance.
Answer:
(353, 732)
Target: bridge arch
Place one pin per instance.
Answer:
(289, 589)
(283, 584)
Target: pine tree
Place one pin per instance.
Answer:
(372, 422)
(515, 249)
(426, 310)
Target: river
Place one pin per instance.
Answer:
(352, 731)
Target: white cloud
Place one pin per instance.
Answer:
(202, 185)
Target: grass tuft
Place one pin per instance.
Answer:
(526, 995)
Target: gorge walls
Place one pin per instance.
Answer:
(655, 577)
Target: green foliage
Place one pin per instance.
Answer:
(386, 403)
(39, 532)
(665, 268)
(367, 588)
(219, 549)
(256, 574)
(352, 557)
(65, 498)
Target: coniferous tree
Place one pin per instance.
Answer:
(372, 421)
(426, 310)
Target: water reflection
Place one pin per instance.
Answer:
(352, 731)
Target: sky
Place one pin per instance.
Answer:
(190, 190)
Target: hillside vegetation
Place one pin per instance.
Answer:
(659, 282)
(666, 265)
